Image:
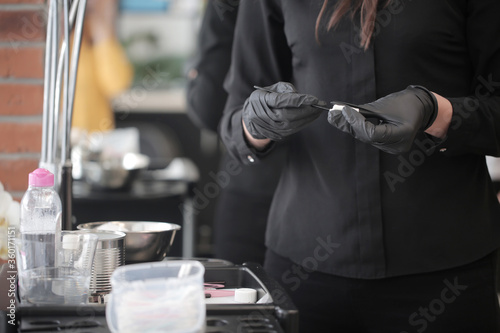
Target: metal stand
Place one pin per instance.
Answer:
(59, 77)
(188, 228)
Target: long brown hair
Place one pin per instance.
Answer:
(368, 13)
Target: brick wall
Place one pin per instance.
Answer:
(22, 42)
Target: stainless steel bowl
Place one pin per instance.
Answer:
(114, 174)
(144, 240)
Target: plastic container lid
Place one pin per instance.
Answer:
(41, 178)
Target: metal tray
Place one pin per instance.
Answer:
(95, 322)
(277, 315)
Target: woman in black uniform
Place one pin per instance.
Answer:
(245, 197)
(384, 220)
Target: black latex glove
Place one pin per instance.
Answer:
(277, 115)
(401, 116)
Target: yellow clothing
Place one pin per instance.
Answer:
(103, 72)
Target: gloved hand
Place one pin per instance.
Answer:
(277, 115)
(401, 115)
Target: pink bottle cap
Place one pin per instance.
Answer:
(41, 178)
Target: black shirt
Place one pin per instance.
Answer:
(206, 98)
(344, 207)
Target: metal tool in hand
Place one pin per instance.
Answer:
(336, 106)
(277, 92)
(59, 76)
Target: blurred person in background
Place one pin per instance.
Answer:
(243, 204)
(104, 70)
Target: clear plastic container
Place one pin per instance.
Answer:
(56, 270)
(157, 297)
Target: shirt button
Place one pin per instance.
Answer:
(250, 158)
(442, 150)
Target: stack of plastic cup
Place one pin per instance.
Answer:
(56, 270)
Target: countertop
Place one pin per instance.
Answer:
(137, 100)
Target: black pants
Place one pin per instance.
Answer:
(240, 227)
(462, 299)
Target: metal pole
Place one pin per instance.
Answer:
(75, 55)
(70, 84)
(62, 65)
(46, 85)
(66, 71)
(188, 228)
(51, 154)
(66, 177)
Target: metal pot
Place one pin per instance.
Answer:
(114, 174)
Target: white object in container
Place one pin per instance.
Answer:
(245, 295)
(157, 297)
